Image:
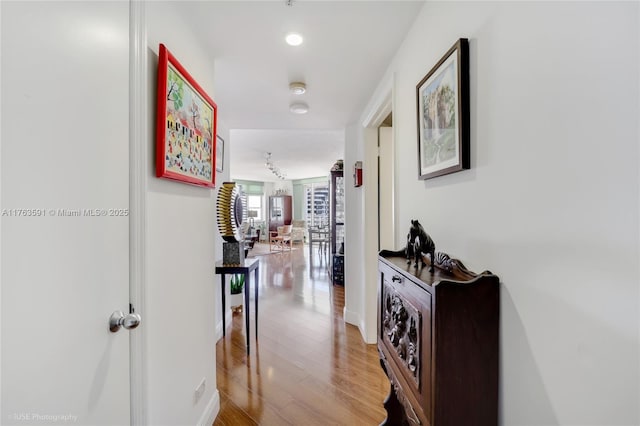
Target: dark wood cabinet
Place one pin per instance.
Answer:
(336, 220)
(337, 210)
(280, 211)
(438, 342)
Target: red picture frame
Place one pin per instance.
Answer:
(186, 126)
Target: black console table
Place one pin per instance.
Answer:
(246, 269)
(438, 342)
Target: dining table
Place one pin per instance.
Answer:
(317, 235)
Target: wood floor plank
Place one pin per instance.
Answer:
(343, 409)
(307, 367)
(302, 415)
(230, 414)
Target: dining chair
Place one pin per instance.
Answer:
(319, 236)
(297, 230)
(280, 240)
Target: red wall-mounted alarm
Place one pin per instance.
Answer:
(357, 174)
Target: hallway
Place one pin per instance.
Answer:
(309, 367)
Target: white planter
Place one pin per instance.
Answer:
(236, 302)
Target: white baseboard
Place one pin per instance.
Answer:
(219, 330)
(351, 317)
(211, 410)
(229, 319)
(369, 336)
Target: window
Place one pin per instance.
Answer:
(254, 206)
(317, 209)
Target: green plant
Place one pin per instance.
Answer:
(237, 283)
(176, 89)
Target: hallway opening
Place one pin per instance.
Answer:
(308, 366)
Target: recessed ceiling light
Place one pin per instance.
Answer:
(294, 39)
(299, 108)
(297, 88)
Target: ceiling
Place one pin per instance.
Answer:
(347, 48)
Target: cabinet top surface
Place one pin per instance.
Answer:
(457, 272)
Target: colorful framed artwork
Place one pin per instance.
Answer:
(219, 153)
(443, 114)
(186, 126)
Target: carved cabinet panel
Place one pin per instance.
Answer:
(401, 327)
(405, 334)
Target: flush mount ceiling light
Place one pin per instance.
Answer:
(297, 88)
(294, 39)
(299, 108)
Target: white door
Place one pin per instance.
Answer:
(65, 196)
(386, 226)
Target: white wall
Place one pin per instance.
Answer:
(269, 189)
(386, 181)
(283, 185)
(354, 272)
(638, 122)
(221, 177)
(551, 201)
(182, 293)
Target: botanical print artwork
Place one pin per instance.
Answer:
(439, 102)
(442, 107)
(189, 132)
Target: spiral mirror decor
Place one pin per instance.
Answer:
(232, 212)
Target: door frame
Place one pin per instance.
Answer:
(380, 107)
(138, 137)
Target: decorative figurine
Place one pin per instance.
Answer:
(418, 242)
(232, 213)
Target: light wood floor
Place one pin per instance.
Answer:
(308, 367)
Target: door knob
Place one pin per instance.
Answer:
(118, 320)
